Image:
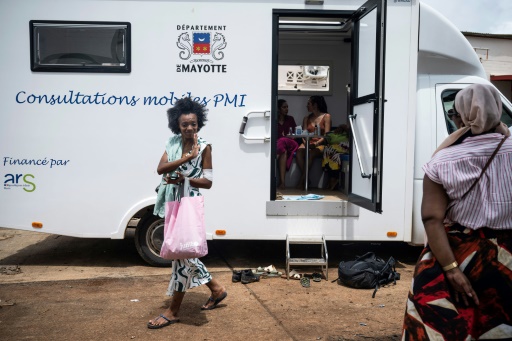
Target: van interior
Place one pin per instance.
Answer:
(314, 59)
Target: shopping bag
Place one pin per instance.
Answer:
(184, 232)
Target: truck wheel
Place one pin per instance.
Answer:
(149, 237)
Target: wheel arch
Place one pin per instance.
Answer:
(137, 210)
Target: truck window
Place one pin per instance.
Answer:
(448, 98)
(506, 116)
(57, 46)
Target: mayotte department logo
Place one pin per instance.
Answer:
(202, 52)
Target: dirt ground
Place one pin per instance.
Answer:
(62, 288)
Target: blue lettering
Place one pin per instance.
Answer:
(242, 101)
(73, 97)
(58, 162)
(9, 178)
(230, 102)
(163, 100)
(18, 97)
(217, 99)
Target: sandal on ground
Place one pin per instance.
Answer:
(151, 325)
(305, 282)
(317, 277)
(215, 301)
(293, 274)
(273, 274)
(271, 268)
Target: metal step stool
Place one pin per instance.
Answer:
(307, 240)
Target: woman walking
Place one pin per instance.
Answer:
(186, 156)
(462, 286)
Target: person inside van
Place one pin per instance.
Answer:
(455, 117)
(286, 146)
(335, 150)
(318, 116)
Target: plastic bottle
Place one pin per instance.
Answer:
(317, 130)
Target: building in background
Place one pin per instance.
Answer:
(495, 53)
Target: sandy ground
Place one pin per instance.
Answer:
(62, 288)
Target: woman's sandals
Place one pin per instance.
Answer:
(152, 325)
(305, 282)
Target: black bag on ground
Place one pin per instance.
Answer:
(367, 272)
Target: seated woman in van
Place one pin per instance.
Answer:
(337, 145)
(286, 147)
(318, 117)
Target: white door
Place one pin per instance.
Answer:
(367, 105)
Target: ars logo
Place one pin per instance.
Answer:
(23, 181)
(201, 45)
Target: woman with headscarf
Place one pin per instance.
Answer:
(462, 285)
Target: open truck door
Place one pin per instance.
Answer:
(367, 105)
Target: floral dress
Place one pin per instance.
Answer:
(337, 146)
(186, 273)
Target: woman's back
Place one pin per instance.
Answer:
(489, 204)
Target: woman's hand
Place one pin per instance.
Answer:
(461, 286)
(194, 152)
(174, 181)
(433, 211)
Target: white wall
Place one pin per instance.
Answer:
(496, 57)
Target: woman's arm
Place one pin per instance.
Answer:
(327, 125)
(207, 164)
(292, 122)
(165, 166)
(304, 127)
(433, 211)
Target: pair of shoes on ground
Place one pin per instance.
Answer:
(316, 276)
(306, 282)
(245, 276)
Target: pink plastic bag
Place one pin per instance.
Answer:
(184, 232)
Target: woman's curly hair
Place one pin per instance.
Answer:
(185, 106)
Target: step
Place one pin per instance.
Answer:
(305, 240)
(307, 261)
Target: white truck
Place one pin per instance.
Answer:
(86, 85)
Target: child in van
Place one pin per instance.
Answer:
(337, 145)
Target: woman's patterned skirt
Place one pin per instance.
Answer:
(484, 255)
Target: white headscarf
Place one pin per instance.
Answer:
(479, 107)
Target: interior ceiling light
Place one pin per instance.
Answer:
(310, 22)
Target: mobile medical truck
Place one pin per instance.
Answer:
(86, 85)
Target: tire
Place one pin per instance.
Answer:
(149, 237)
